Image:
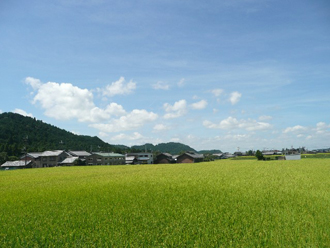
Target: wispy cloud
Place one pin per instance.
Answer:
(217, 92)
(181, 83)
(161, 86)
(160, 127)
(21, 112)
(232, 123)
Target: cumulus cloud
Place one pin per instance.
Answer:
(217, 92)
(161, 86)
(119, 87)
(21, 112)
(199, 105)
(232, 123)
(174, 111)
(65, 101)
(235, 97)
(132, 120)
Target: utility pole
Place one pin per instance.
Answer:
(25, 148)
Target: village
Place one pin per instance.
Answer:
(57, 158)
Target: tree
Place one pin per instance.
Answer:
(259, 155)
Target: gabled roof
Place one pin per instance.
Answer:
(109, 154)
(79, 153)
(166, 154)
(51, 153)
(18, 163)
(34, 154)
(69, 160)
(193, 155)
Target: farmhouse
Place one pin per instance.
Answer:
(190, 157)
(103, 158)
(19, 164)
(164, 158)
(46, 158)
(80, 154)
(139, 158)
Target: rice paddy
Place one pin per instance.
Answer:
(226, 203)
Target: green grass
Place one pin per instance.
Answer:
(225, 203)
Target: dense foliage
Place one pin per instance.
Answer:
(18, 132)
(171, 147)
(225, 203)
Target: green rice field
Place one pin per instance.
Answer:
(226, 203)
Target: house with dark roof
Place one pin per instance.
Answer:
(46, 158)
(190, 157)
(164, 158)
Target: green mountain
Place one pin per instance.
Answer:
(171, 147)
(210, 151)
(18, 132)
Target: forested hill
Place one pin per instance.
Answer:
(171, 147)
(17, 132)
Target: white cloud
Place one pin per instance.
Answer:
(199, 105)
(65, 101)
(160, 127)
(232, 123)
(121, 137)
(161, 86)
(217, 92)
(322, 127)
(21, 112)
(137, 118)
(265, 118)
(297, 128)
(178, 109)
(119, 88)
(181, 83)
(33, 82)
(235, 97)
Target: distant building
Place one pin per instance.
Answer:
(190, 157)
(19, 164)
(46, 158)
(70, 161)
(164, 158)
(79, 154)
(139, 158)
(103, 158)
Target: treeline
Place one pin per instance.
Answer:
(20, 134)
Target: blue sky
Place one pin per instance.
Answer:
(253, 74)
